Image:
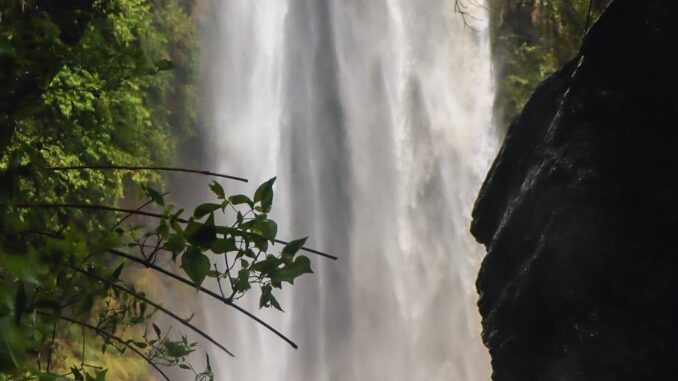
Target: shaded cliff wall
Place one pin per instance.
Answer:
(580, 209)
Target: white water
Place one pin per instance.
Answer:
(375, 116)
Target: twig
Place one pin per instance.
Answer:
(204, 290)
(111, 337)
(320, 253)
(51, 347)
(176, 317)
(148, 214)
(140, 168)
(149, 202)
(185, 281)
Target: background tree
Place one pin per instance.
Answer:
(84, 120)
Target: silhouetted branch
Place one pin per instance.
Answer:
(149, 202)
(156, 305)
(147, 214)
(187, 282)
(141, 168)
(111, 337)
(204, 290)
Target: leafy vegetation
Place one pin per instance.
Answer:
(96, 94)
(533, 38)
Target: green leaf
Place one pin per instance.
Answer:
(202, 234)
(275, 304)
(164, 65)
(294, 246)
(195, 264)
(157, 330)
(239, 199)
(265, 228)
(175, 243)
(242, 282)
(267, 266)
(222, 246)
(267, 299)
(76, 374)
(205, 209)
(264, 195)
(154, 195)
(117, 271)
(218, 190)
(265, 296)
(176, 349)
(300, 266)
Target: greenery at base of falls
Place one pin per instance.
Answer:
(110, 83)
(531, 39)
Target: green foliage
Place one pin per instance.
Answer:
(109, 82)
(532, 39)
(102, 99)
(75, 274)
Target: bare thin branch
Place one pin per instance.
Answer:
(111, 337)
(141, 168)
(128, 215)
(176, 317)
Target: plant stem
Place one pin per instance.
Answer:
(141, 168)
(156, 305)
(147, 214)
(185, 281)
(204, 290)
(112, 337)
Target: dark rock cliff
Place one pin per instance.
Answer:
(579, 213)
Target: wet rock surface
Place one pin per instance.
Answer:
(579, 213)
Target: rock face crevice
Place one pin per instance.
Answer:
(579, 212)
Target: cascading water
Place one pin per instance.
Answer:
(375, 116)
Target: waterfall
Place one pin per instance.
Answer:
(375, 117)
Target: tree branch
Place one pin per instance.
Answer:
(204, 290)
(156, 305)
(111, 337)
(141, 168)
(187, 282)
(147, 214)
(147, 203)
